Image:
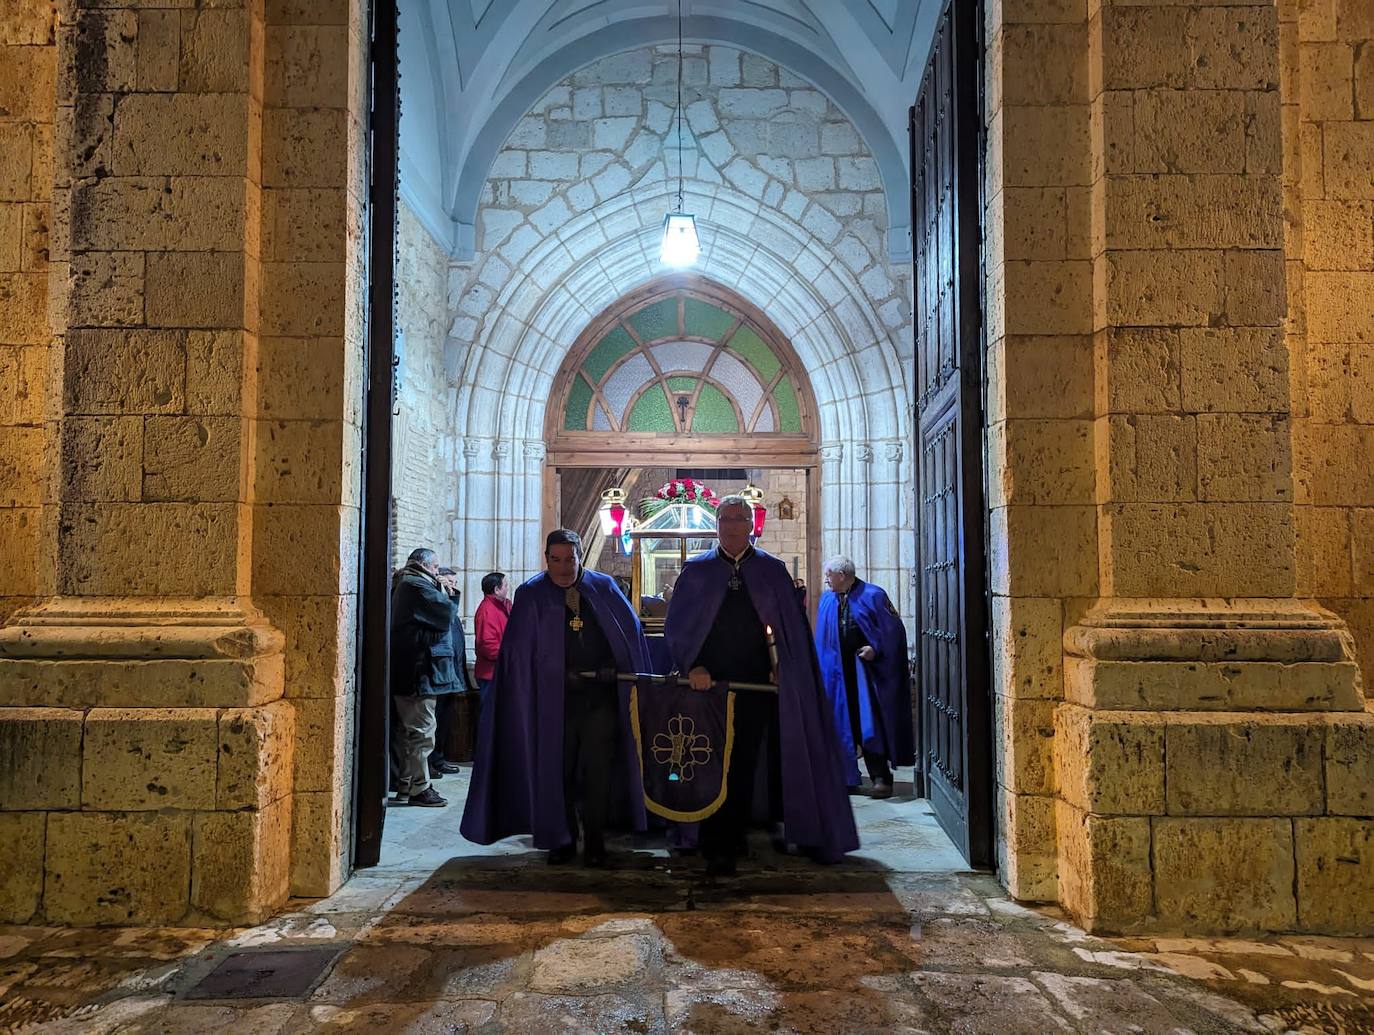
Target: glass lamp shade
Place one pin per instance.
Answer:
(612, 517)
(680, 243)
(760, 515)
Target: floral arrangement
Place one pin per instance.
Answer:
(680, 490)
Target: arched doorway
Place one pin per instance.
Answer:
(681, 373)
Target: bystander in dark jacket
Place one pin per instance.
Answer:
(423, 665)
(447, 706)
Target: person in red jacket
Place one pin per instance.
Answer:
(492, 614)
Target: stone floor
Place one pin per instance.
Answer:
(446, 936)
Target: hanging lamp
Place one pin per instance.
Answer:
(680, 245)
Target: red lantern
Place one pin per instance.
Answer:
(754, 496)
(613, 512)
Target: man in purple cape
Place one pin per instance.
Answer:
(549, 740)
(861, 643)
(724, 604)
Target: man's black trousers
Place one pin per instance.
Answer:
(590, 723)
(756, 721)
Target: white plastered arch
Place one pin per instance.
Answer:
(528, 319)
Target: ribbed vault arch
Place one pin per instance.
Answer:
(554, 288)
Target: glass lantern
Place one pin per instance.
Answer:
(660, 546)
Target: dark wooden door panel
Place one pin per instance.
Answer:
(953, 665)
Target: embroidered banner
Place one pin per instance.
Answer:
(684, 739)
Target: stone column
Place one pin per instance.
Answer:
(828, 523)
(1042, 548)
(1213, 725)
(144, 713)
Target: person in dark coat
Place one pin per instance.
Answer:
(861, 643)
(735, 616)
(552, 744)
(445, 705)
(422, 667)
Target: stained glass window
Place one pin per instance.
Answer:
(680, 363)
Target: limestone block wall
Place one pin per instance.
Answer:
(1192, 748)
(425, 450)
(28, 68)
(791, 213)
(1328, 109)
(1041, 487)
(308, 484)
(175, 709)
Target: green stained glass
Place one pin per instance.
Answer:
(651, 412)
(609, 349)
(703, 320)
(656, 321)
(789, 413)
(579, 398)
(750, 348)
(685, 385)
(713, 413)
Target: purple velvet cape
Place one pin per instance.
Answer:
(816, 811)
(884, 684)
(517, 778)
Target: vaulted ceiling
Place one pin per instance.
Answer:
(472, 68)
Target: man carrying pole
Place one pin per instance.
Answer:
(735, 617)
(553, 740)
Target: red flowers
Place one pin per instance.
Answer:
(687, 490)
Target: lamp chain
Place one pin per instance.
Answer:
(679, 106)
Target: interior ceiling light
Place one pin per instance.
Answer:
(680, 245)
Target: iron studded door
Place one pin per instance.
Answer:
(954, 690)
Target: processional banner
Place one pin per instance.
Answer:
(684, 738)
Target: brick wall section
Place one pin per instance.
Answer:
(424, 471)
(28, 64)
(1328, 96)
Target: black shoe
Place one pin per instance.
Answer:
(562, 855)
(881, 789)
(593, 850)
(429, 798)
(724, 867)
(435, 773)
(445, 766)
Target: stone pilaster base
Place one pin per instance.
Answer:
(145, 764)
(1215, 766)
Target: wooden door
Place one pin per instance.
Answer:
(946, 229)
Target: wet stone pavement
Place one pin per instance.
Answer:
(497, 941)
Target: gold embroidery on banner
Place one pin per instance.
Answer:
(706, 810)
(681, 749)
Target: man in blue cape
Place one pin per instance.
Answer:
(861, 643)
(724, 607)
(550, 741)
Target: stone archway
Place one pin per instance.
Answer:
(683, 371)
